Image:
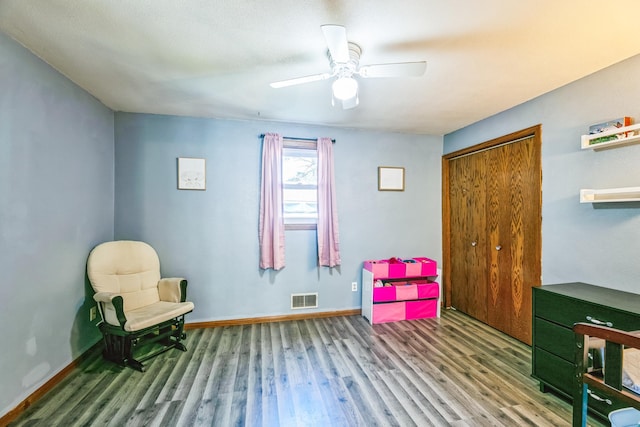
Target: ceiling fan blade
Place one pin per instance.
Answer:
(400, 69)
(301, 80)
(336, 37)
(348, 104)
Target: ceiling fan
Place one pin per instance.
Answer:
(344, 59)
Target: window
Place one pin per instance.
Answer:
(306, 175)
(300, 185)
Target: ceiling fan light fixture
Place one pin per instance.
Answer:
(345, 88)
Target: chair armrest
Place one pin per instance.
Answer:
(172, 289)
(104, 296)
(116, 301)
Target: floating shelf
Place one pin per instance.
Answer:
(610, 195)
(631, 132)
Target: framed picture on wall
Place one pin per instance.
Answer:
(191, 174)
(390, 178)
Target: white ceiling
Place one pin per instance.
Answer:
(216, 58)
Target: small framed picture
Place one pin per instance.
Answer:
(191, 174)
(390, 178)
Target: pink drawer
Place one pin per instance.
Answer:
(413, 269)
(429, 266)
(406, 292)
(389, 312)
(385, 293)
(380, 269)
(421, 309)
(428, 290)
(397, 270)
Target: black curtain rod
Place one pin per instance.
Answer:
(299, 139)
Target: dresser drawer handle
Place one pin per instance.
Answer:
(598, 398)
(599, 322)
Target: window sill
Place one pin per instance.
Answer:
(300, 226)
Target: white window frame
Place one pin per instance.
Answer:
(300, 222)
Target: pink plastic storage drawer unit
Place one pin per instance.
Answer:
(396, 289)
(402, 292)
(412, 267)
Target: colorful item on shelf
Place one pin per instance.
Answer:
(607, 126)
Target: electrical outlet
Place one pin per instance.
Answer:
(92, 314)
(354, 286)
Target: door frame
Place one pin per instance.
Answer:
(533, 131)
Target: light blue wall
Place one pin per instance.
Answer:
(580, 242)
(56, 203)
(211, 238)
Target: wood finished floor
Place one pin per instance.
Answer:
(321, 372)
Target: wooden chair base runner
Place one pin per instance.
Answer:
(120, 345)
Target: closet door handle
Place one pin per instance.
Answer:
(474, 243)
(499, 247)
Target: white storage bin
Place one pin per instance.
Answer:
(625, 417)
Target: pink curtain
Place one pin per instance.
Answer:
(328, 236)
(271, 227)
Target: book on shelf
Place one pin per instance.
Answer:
(607, 126)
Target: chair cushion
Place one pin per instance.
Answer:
(128, 268)
(153, 314)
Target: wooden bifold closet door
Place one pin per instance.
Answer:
(492, 226)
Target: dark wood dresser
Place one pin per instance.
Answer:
(555, 309)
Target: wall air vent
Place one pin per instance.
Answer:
(304, 300)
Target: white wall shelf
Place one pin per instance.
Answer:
(629, 135)
(610, 195)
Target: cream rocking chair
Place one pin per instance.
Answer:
(137, 306)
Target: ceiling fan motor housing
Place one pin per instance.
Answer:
(346, 69)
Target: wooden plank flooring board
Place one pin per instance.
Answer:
(268, 390)
(253, 401)
(332, 371)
